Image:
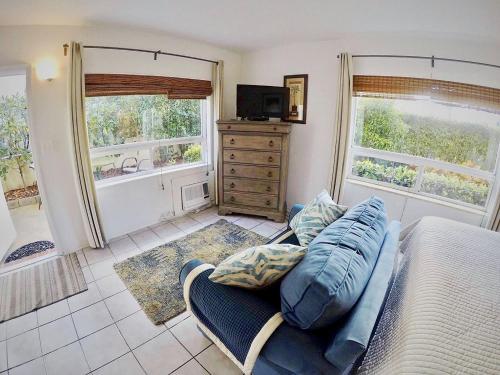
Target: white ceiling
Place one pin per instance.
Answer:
(253, 24)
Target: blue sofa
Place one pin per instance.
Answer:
(290, 350)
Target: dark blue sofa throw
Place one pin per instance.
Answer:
(326, 284)
(220, 308)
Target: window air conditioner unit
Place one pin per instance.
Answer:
(195, 195)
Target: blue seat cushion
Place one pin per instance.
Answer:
(328, 281)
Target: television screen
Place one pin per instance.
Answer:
(262, 101)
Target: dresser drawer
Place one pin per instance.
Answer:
(252, 157)
(254, 200)
(251, 171)
(251, 186)
(258, 142)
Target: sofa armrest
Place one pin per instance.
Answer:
(187, 268)
(296, 208)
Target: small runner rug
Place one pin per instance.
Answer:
(43, 284)
(30, 249)
(153, 276)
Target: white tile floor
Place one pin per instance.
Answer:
(104, 331)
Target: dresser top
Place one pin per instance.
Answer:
(255, 126)
(246, 122)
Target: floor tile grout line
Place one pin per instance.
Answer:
(145, 342)
(22, 364)
(116, 323)
(31, 360)
(117, 358)
(121, 319)
(186, 349)
(94, 303)
(201, 365)
(100, 329)
(125, 341)
(80, 345)
(40, 340)
(196, 359)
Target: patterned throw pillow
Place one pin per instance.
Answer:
(258, 266)
(316, 216)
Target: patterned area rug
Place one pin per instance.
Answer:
(153, 276)
(30, 249)
(35, 287)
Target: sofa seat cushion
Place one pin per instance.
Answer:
(314, 217)
(328, 281)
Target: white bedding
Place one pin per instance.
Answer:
(443, 313)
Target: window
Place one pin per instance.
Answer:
(443, 144)
(132, 133)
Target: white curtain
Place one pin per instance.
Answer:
(217, 87)
(340, 144)
(85, 180)
(494, 223)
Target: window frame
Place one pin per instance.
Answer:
(420, 163)
(202, 139)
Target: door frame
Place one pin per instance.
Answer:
(27, 71)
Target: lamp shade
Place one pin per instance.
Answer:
(46, 69)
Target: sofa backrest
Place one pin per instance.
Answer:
(324, 287)
(352, 339)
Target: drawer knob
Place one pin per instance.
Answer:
(232, 185)
(271, 143)
(231, 141)
(268, 188)
(232, 199)
(270, 159)
(275, 128)
(231, 157)
(269, 174)
(229, 126)
(268, 202)
(233, 171)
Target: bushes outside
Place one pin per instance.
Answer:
(380, 125)
(455, 186)
(449, 185)
(115, 120)
(192, 154)
(400, 175)
(15, 153)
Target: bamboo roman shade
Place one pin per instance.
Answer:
(128, 84)
(485, 98)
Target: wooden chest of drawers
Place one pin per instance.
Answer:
(253, 168)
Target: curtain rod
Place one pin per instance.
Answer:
(431, 58)
(155, 53)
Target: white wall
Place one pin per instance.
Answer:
(49, 111)
(311, 143)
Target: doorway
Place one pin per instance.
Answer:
(25, 236)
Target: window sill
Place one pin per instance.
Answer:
(408, 194)
(191, 168)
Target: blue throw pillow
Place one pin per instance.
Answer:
(328, 281)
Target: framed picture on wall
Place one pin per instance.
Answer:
(298, 97)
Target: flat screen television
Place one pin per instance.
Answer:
(262, 102)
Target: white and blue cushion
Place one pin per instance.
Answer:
(314, 217)
(258, 266)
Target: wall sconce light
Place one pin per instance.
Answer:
(46, 69)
